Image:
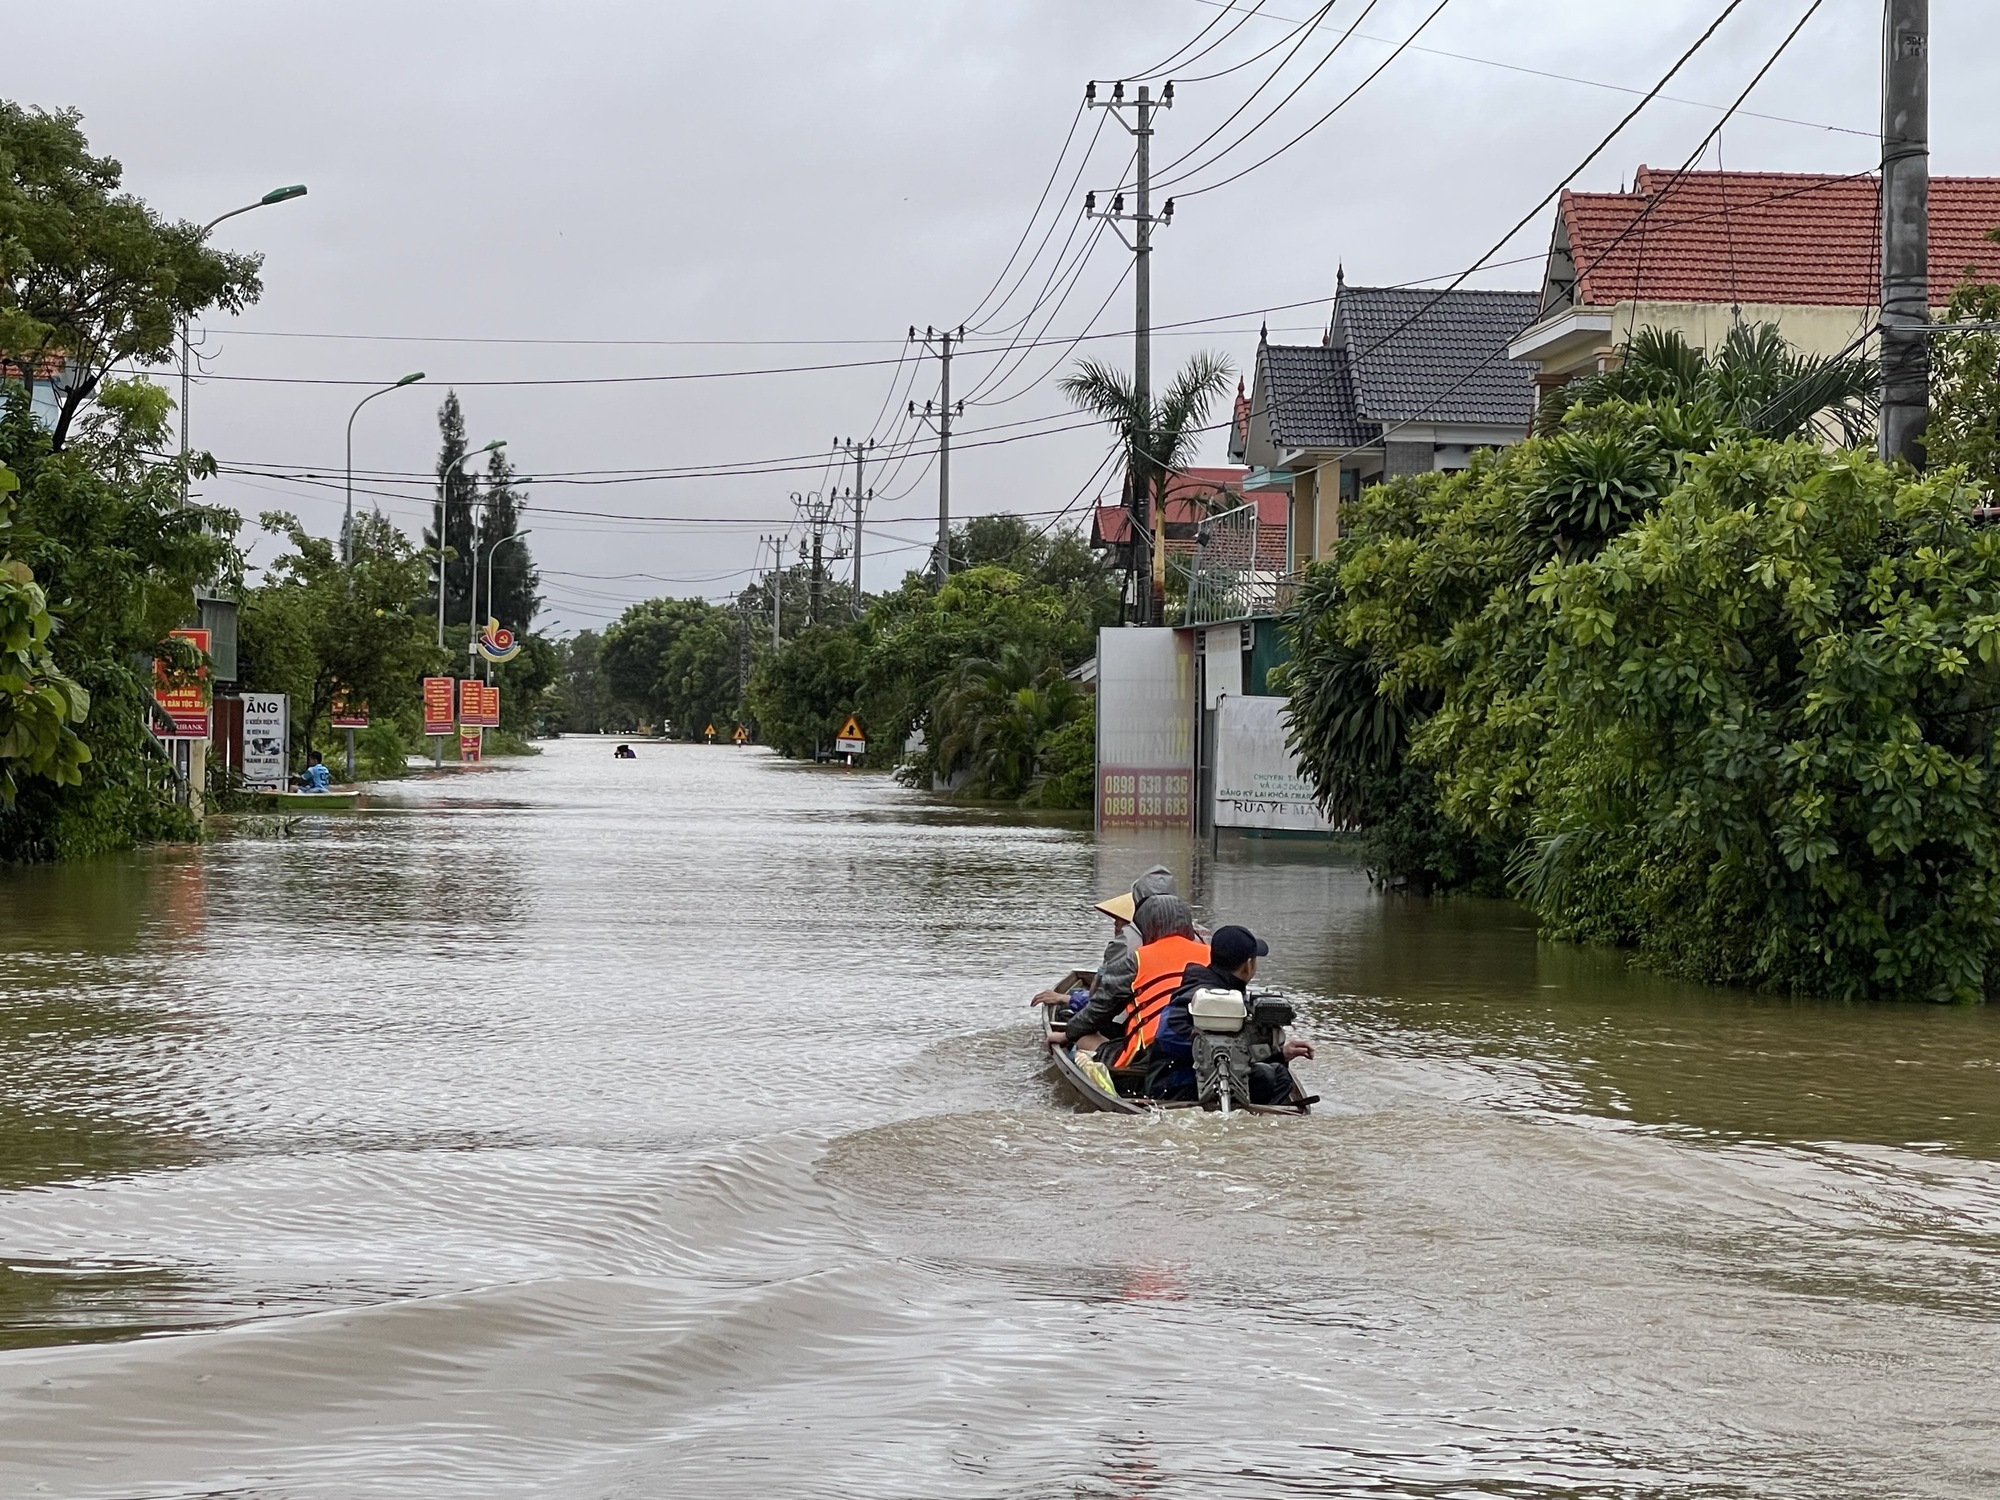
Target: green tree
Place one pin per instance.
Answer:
(317, 627)
(676, 661)
(1158, 436)
(1965, 389)
(582, 701)
(510, 575)
(801, 696)
(453, 511)
(39, 706)
(1753, 382)
(119, 558)
(996, 717)
(90, 277)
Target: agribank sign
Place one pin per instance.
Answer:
(1145, 728)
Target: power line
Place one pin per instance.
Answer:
(1345, 100)
(1592, 83)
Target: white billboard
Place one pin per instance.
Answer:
(266, 740)
(1145, 728)
(1257, 780)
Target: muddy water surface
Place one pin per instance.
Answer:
(585, 1128)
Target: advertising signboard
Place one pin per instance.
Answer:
(266, 740)
(468, 745)
(1257, 780)
(478, 704)
(187, 703)
(1145, 728)
(439, 693)
(347, 715)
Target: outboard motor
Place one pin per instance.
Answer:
(1221, 1046)
(1230, 1032)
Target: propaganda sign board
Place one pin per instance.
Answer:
(478, 704)
(1257, 780)
(266, 740)
(439, 702)
(185, 703)
(469, 744)
(346, 715)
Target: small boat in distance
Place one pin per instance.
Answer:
(1100, 1088)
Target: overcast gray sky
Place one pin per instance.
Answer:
(506, 191)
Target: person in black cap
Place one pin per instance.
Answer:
(1232, 963)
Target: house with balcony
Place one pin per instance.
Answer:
(1405, 381)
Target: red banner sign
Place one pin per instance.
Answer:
(478, 704)
(346, 715)
(187, 703)
(468, 745)
(438, 695)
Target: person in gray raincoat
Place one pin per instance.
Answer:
(1115, 971)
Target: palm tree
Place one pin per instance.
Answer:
(1755, 381)
(1159, 437)
(995, 718)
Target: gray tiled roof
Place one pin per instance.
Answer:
(1309, 398)
(1449, 364)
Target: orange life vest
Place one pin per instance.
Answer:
(1162, 962)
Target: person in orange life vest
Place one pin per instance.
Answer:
(1167, 947)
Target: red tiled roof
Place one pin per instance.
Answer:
(1191, 495)
(1771, 237)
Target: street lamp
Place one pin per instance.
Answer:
(444, 510)
(472, 646)
(276, 195)
(347, 525)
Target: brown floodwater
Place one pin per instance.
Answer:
(595, 1128)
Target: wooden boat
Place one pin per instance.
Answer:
(1086, 1082)
(311, 802)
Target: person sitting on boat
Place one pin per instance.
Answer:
(1232, 964)
(315, 777)
(1168, 948)
(1112, 991)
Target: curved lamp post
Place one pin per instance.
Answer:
(444, 508)
(276, 195)
(472, 646)
(347, 523)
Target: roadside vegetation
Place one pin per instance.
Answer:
(105, 540)
(962, 688)
(1688, 673)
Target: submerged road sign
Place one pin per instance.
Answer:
(851, 741)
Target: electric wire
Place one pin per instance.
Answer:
(1174, 56)
(1344, 101)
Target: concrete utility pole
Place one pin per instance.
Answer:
(817, 509)
(859, 452)
(1141, 245)
(777, 588)
(940, 416)
(1906, 190)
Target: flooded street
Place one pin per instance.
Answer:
(586, 1128)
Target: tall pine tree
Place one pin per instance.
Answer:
(453, 506)
(512, 576)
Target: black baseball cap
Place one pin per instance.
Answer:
(1233, 947)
